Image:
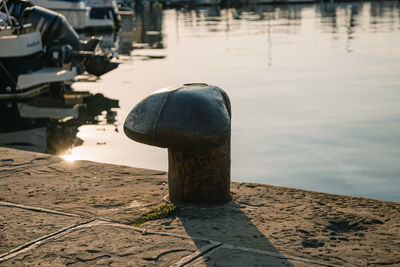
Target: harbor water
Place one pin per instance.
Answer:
(315, 91)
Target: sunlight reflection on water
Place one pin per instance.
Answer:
(314, 91)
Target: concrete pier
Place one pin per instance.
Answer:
(58, 213)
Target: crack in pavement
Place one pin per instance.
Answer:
(6, 164)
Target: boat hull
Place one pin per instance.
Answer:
(22, 71)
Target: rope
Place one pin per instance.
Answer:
(7, 11)
(9, 75)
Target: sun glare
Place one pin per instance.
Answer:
(69, 157)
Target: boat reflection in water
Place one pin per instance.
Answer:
(115, 42)
(50, 124)
(148, 34)
(126, 33)
(149, 23)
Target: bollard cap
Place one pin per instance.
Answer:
(188, 116)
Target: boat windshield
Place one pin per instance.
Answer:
(101, 13)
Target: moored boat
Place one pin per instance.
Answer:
(23, 71)
(41, 50)
(75, 11)
(83, 15)
(103, 15)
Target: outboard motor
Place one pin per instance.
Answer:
(53, 27)
(60, 39)
(58, 55)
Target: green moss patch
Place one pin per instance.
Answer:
(156, 214)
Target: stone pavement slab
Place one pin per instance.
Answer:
(79, 213)
(108, 245)
(18, 226)
(99, 242)
(114, 192)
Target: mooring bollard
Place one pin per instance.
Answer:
(194, 122)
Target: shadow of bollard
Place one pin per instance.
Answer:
(240, 242)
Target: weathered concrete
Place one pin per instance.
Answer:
(102, 244)
(19, 226)
(77, 214)
(85, 188)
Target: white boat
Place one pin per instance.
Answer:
(40, 50)
(81, 16)
(75, 11)
(103, 12)
(22, 69)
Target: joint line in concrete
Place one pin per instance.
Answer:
(205, 250)
(13, 205)
(40, 241)
(212, 247)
